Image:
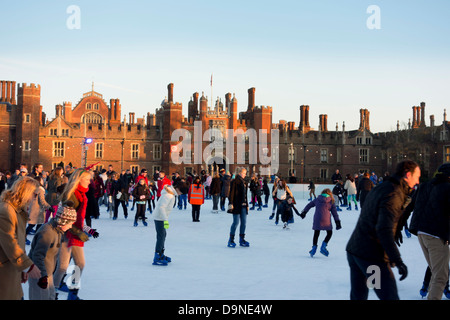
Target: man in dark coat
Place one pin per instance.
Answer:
(238, 206)
(364, 186)
(225, 189)
(431, 223)
(372, 250)
(336, 177)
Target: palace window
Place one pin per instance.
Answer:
(99, 150)
(363, 156)
(291, 154)
(134, 151)
(58, 149)
(324, 174)
(156, 152)
(324, 155)
(134, 169)
(26, 145)
(156, 168)
(92, 117)
(446, 153)
(53, 132)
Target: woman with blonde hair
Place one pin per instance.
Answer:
(15, 264)
(325, 208)
(72, 245)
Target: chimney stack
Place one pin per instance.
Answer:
(364, 119)
(3, 96)
(170, 93)
(251, 99)
(422, 117)
(304, 118)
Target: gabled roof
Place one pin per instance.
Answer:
(69, 124)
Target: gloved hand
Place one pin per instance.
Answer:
(43, 282)
(79, 233)
(398, 238)
(303, 214)
(402, 270)
(94, 233)
(166, 224)
(338, 225)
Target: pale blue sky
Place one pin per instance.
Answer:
(319, 53)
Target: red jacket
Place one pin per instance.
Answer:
(161, 184)
(80, 200)
(141, 177)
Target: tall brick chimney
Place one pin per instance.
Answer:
(304, 118)
(364, 119)
(323, 119)
(251, 99)
(422, 116)
(170, 93)
(3, 96)
(67, 110)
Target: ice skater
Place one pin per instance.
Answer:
(161, 213)
(45, 249)
(286, 209)
(325, 208)
(141, 193)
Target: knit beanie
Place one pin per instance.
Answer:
(445, 169)
(66, 214)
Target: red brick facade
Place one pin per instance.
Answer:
(135, 143)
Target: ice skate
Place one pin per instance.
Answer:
(242, 241)
(159, 261)
(313, 251)
(231, 243)
(323, 249)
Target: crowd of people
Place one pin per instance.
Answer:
(57, 207)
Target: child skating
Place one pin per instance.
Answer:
(141, 193)
(325, 208)
(286, 209)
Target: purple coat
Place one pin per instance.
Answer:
(325, 207)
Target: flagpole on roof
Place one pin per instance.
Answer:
(212, 107)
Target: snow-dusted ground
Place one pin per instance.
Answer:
(276, 266)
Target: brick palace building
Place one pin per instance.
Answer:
(133, 143)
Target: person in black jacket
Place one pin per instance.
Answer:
(225, 189)
(372, 247)
(430, 222)
(119, 195)
(238, 206)
(182, 197)
(255, 190)
(286, 209)
(336, 177)
(141, 193)
(364, 186)
(266, 192)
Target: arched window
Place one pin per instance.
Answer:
(92, 117)
(88, 106)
